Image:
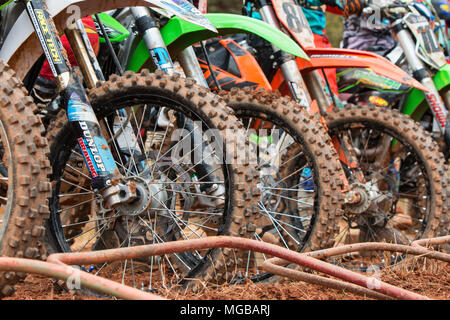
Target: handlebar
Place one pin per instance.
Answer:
(386, 8)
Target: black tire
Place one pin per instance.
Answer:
(25, 170)
(184, 97)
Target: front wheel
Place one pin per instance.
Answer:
(299, 176)
(165, 134)
(24, 182)
(399, 178)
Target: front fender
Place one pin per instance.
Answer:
(21, 49)
(416, 105)
(179, 35)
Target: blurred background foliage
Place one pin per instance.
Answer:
(334, 22)
(232, 6)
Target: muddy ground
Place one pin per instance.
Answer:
(428, 278)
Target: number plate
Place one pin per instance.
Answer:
(292, 18)
(183, 9)
(428, 47)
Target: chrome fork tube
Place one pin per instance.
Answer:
(288, 63)
(149, 30)
(191, 67)
(82, 118)
(316, 86)
(433, 97)
(87, 44)
(75, 38)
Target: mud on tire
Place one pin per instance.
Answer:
(219, 264)
(303, 221)
(419, 153)
(25, 186)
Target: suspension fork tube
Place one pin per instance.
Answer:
(316, 87)
(151, 34)
(82, 56)
(90, 51)
(82, 118)
(148, 29)
(191, 67)
(288, 62)
(433, 97)
(92, 73)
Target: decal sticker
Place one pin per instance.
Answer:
(77, 110)
(94, 150)
(370, 78)
(378, 101)
(105, 154)
(88, 158)
(49, 43)
(226, 80)
(427, 47)
(186, 11)
(161, 58)
(299, 94)
(332, 56)
(292, 17)
(437, 106)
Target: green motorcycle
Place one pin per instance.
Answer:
(418, 51)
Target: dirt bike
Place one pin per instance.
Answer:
(371, 205)
(387, 210)
(418, 50)
(266, 112)
(128, 185)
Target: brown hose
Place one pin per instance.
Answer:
(274, 266)
(64, 272)
(414, 249)
(57, 265)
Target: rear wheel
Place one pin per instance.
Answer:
(402, 191)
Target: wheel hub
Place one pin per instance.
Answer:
(358, 200)
(366, 196)
(149, 196)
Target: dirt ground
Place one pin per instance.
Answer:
(428, 278)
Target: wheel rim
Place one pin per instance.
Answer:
(176, 215)
(288, 204)
(396, 194)
(6, 184)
